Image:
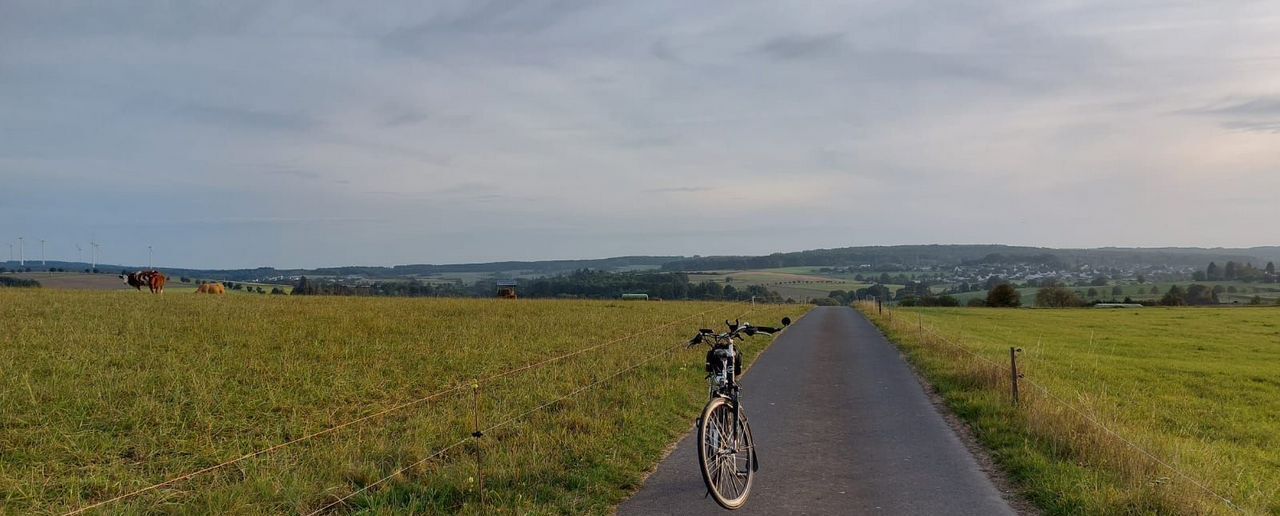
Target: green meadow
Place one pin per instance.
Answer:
(1196, 388)
(104, 393)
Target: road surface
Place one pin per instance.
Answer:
(842, 427)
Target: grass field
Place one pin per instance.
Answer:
(786, 282)
(83, 281)
(107, 392)
(1197, 387)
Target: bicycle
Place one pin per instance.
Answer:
(726, 451)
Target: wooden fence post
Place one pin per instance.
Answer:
(1013, 372)
(477, 434)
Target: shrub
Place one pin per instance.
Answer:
(1004, 296)
(1174, 297)
(975, 303)
(1057, 297)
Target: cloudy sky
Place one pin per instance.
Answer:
(302, 134)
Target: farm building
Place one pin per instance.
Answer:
(635, 297)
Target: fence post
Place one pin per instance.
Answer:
(879, 306)
(1013, 372)
(476, 435)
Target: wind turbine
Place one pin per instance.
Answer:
(42, 252)
(149, 258)
(79, 253)
(20, 260)
(93, 267)
(10, 250)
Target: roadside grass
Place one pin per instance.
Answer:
(107, 392)
(1195, 387)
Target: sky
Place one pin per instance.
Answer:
(302, 134)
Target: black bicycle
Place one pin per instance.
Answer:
(726, 451)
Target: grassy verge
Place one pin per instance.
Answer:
(106, 392)
(1195, 388)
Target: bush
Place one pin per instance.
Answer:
(6, 281)
(825, 301)
(1174, 297)
(1057, 297)
(975, 303)
(1004, 296)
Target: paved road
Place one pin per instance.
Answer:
(842, 427)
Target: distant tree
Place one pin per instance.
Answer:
(1004, 296)
(1230, 271)
(1155, 289)
(1255, 300)
(975, 302)
(1198, 294)
(730, 292)
(1117, 290)
(1212, 273)
(1142, 278)
(1100, 281)
(276, 291)
(1199, 276)
(1093, 293)
(1231, 289)
(1271, 268)
(1174, 297)
(1057, 297)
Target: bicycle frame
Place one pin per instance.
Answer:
(723, 380)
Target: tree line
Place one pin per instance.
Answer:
(579, 284)
(1233, 271)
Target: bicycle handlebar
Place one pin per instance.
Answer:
(736, 330)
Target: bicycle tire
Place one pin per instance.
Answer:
(718, 446)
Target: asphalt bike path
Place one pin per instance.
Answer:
(841, 426)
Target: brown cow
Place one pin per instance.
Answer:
(210, 288)
(153, 280)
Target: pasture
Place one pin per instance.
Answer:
(1199, 388)
(104, 393)
(105, 281)
(786, 282)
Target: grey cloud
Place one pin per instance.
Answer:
(681, 189)
(1272, 126)
(1260, 106)
(1256, 115)
(245, 118)
(299, 174)
(478, 18)
(405, 118)
(803, 46)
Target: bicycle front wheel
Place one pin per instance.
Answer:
(725, 453)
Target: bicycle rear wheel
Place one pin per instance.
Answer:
(725, 454)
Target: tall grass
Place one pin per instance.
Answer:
(107, 392)
(1156, 411)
